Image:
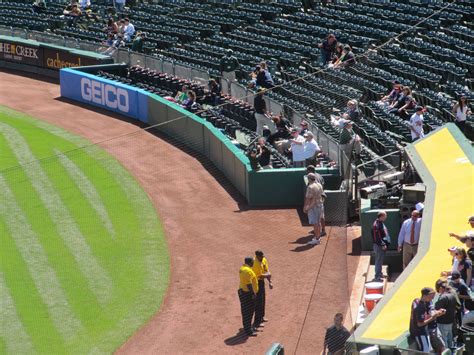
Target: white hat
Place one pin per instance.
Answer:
(419, 206)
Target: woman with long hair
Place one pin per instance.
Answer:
(460, 112)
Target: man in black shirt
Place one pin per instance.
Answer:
(336, 336)
(282, 126)
(264, 154)
(464, 294)
(380, 242)
(327, 48)
(261, 117)
(446, 300)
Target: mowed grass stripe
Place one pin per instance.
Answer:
(35, 258)
(13, 337)
(30, 308)
(100, 282)
(87, 189)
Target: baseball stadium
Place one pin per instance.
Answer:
(236, 177)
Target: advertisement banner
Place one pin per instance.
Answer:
(57, 58)
(21, 52)
(104, 93)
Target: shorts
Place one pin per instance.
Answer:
(315, 213)
(436, 340)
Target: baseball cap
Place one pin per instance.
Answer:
(455, 275)
(419, 206)
(309, 133)
(471, 219)
(452, 249)
(311, 167)
(312, 176)
(470, 234)
(427, 291)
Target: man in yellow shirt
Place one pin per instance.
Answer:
(260, 268)
(248, 290)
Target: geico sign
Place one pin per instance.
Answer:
(104, 94)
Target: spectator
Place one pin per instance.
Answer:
(469, 241)
(229, 65)
(254, 157)
(352, 112)
(248, 290)
(214, 91)
(416, 124)
(84, 4)
(311, 147)
(264, 154)
(307, 5)
(260, 268)
(190, 103)
(182, 95)
(261, 116)
(297, 149)
(460, 112)
(313, 206)
(111, 26)
(120, 5)
(447, 300)
(137, 43)
(128, 30)
(336, 337)
(420, 318)
(346, 59)
(464, 266)
(327, 48)
(263, 78)
(409, 236)
(338, 53)
(282, 126)
(381, 240)
(349, 141)
(387, 100)
(404, 102)
(39, 7)
(72, 13)
(464, 295)
(303, 127)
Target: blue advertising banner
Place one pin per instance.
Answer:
(104, 93)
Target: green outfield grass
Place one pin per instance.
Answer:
(83, 259)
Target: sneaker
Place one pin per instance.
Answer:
(314, 242)
(323, 234)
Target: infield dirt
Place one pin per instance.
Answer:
(209, 230)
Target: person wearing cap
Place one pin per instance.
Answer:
(327, 49)
(313, 206)
(260, 268)
(464, 296)
(468, 239)
(349, 141)
(297, 148)
(392, 96)
(229, 65)
(448, 300)
(381, 241)
(310, 146)
(409, 236)
(248, 290)
(261, 116)
(421, 315)
(416, 124)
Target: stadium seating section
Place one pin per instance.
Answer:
(435, 58)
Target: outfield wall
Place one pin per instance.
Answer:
(264, 188)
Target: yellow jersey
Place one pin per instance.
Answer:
(260, 267)
(247, 276)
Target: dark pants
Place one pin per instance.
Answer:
(247, 308)
(461, 125)
(259, 304)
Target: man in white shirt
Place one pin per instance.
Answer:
(416, 124)
(297, 148)
(128, 31)
(311, 147)
(409, 237)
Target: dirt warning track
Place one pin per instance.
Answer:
(209, 230)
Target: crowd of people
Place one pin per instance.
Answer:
(335, 54)
(440, 313)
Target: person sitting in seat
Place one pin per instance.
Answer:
(128, 30)
(111, 26)
(137, 43)
(349, 140)
(392, 96)
(190, 103)
(405, 102)
(39, 7)
(72, 13)
(346, 59)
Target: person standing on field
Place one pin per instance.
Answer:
(313, 206)
(260, 268)
(409, 236)
(248, 290)
(380, 241)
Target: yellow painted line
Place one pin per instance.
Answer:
(453, 174)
